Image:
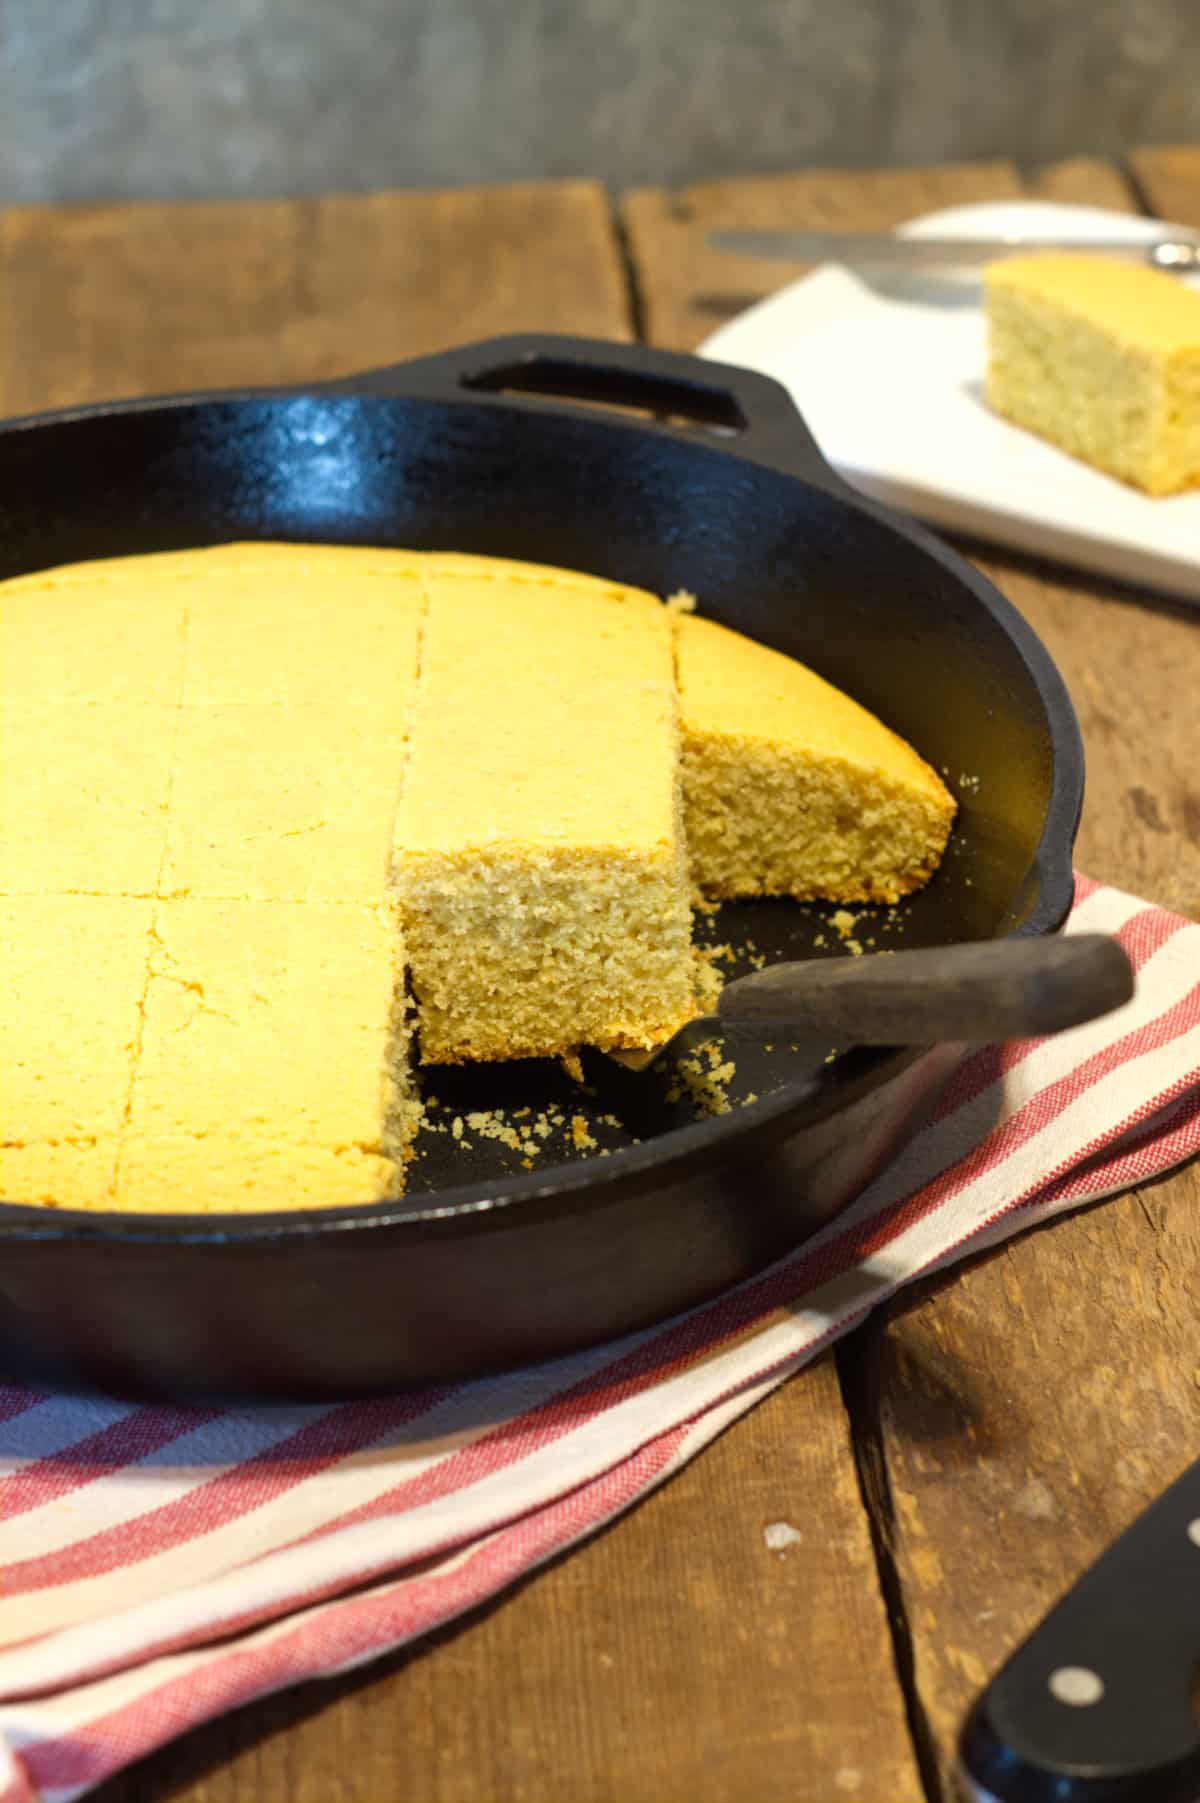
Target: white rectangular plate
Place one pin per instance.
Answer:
(893, 392)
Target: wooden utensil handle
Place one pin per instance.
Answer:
(998, 989)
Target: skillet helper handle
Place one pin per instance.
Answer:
(681, 393)
(1096, 1706)
(978, 993)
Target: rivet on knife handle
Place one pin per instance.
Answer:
(1097, 1705)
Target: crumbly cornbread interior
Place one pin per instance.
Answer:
(1101, 357)
(284, 804)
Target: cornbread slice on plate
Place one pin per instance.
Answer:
(72, 973)
(1101, 357)
(272, 1068)
(792, 788)
(539, 864)
(83, 797)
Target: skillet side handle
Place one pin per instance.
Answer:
(682, 394)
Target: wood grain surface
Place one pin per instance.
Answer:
(1008, 1419)
(101, 301)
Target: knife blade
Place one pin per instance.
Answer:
(1097, 1705)
(1177, 253)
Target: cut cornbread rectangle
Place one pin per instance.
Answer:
(1101, 357)
(83, 796)
(792, 788)
(282, 804)
(72, 976)
(268, 1026)
(93, 632)
(539, 863)
(306, 626)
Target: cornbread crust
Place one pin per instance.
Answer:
(792, 788)
(539, 864)
(1102, 358)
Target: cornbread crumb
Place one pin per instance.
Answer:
(581, 1138)
(1102, 358)
(681, 602)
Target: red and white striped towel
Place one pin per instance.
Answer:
(161, 1564)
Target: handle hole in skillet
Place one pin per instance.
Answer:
(665, 399)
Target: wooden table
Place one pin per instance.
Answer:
(961, 1459)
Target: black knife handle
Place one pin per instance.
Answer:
(1098, 1704)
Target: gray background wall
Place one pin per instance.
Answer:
(236, 97)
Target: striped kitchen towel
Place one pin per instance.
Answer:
(161, 1564)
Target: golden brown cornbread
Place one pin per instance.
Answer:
(83, 796)
(265, 1063)
(282, 804)
(273, 1040)
(1102, 357)
(72, 971)
(194, 884)
(792, 788)
(539, 864)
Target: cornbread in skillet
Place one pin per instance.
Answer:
(83, 795)
(250, 1039)
(1102, 358)
(73, 970)
(272, 1061)
(539, 864)
(792, 788)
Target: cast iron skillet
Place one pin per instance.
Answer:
(717, 488)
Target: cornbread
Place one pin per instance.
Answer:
(1102, 358)
(83, 796)
(273, 1040)
(792, 788)
(276, 804)
(73, 970)
(539, 864)
(237, 1036)
(275, 786)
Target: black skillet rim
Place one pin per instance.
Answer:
(487, 374)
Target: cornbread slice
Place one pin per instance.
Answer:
(274, 1040)
(72, 972)
(283, 804)
(539, 864)
(792, 788)
(1101, 357)
(110, 632)
(306, 626)
(83, 796)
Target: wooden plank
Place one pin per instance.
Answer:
(674, 1657)
(686, 288)
(103, 301)
(1169, 178)
(1030, 1405)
